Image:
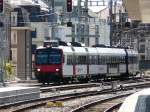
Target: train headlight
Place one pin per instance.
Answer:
(38, 70)
(57, 70)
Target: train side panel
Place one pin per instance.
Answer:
(67, 67)
(132, 61)
(81, 62)
(122, 68)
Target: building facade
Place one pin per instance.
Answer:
(4, 39)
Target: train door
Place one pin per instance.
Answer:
(113, 66)
(113, 69)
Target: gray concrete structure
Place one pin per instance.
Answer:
(22, 46)
(15, 94)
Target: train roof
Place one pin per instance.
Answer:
(80, 50)
(137, 102)
(40, 47)
(112, 51)
(92, 50)
(66, 49)
(95, 50)
(132, 52)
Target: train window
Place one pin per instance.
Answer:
(71, 60)
(135, 59)
(81, 60)
(120, 59)
(99, 60)
(74, 59)
(68, 59)
(115, 59)
(107, 59)
(102, 60)
(130, 59)
(77, 59)
(87, 59)
(93, 60)
(96, 59)
(110, 59)
(90, 59)
(84, 59)
(123, 59)
(63, 59)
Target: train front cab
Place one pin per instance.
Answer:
(48, 65)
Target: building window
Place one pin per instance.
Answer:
(14, 55)
(142, 57)
(142, 49)
(33, 34)
(34, 48)
(14, 38)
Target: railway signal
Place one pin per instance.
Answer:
(1, 6)
(69, 5)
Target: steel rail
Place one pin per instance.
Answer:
(86, 106)
(113, 107)
(43, 101)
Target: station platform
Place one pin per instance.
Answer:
(137, 102)
(16, 92)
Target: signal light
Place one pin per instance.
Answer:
(69, 24)
(69, 5)
(1, 6)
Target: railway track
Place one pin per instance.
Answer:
(114, 108)
(103, 105)
(68, 87)
(51, 88)
(22, 106)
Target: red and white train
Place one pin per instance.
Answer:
(67, 63)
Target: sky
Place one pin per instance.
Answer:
(93, 8)
(97, 9)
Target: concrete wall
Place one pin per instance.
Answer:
(42, 31)
(21, 51)
(21, 56)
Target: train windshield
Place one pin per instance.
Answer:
(48, 57)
